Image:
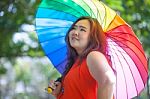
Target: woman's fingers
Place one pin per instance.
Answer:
(57, 90)
(52, 84)
(54, 87)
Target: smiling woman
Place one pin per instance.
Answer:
(124, 52)
(86, 44)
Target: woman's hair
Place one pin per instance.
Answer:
(97, 41)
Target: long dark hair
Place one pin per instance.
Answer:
(97, 41)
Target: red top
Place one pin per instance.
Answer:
(79, 84)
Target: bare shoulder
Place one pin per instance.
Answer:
(98, 67)
(95, 56)
(97, 62)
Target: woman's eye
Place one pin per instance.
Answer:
(73, 28)
(83, 30)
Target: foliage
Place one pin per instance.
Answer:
(13, 14)
(2, 70)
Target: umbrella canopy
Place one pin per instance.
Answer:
(53, 19)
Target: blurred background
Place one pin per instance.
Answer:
(24, 69)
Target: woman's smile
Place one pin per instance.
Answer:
(75, 38)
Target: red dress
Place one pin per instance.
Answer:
(78, 83)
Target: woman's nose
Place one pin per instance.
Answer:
(75, 33)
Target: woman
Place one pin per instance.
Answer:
(88, 74)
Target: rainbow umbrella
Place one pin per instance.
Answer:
(53, 19)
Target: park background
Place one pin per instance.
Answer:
(24, 69)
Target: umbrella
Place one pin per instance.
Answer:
(53, 19)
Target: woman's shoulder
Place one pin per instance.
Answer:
(95, 54)
(96, 57)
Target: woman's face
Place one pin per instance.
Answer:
(79, 35)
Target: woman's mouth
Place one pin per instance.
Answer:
(75, 38)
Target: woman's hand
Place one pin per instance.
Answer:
(55, 86)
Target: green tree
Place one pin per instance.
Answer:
(13, 15)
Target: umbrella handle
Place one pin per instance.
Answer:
(49, 90)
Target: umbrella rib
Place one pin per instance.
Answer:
(123, 71)
(129, 68)
(51, 27)
(134, 62)
(139, 60)
(127, 40)
(61, 63)
(57, 66)
(112, 22)
(55, 26)
(51, 39)
(131, 73)
(72, 7)
(41, 30)
(99, 12)
(56, 50)
(89, 8)
(58, 10)
(115, 73)
(105, 15)
(133, 44)
(61, 66)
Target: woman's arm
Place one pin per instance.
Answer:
(102, 73)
